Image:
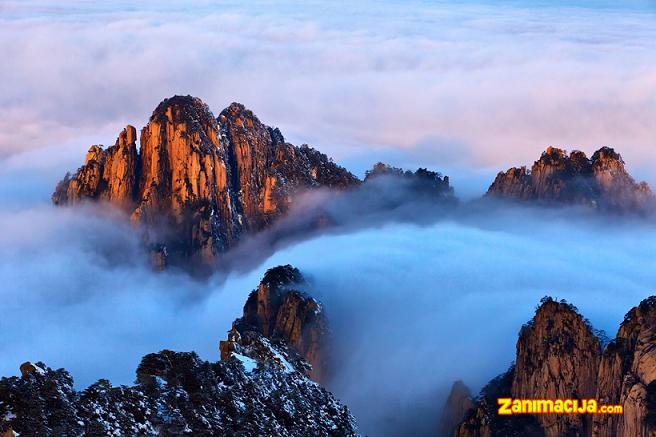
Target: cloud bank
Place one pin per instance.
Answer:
(414, 308)
(421, 298)
(415, 301)
(438, 84)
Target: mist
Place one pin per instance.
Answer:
(416, 307)
(418, 294)
(487, 84)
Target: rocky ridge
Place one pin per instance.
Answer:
(198, 182)
(559, 356)
(457, 405)
(277, 309)
(600, 182)
(421, 182)
(260, 387)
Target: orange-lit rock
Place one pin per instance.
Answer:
(108, 175)
(599, 182)
(198, 183)
(557, 358)
(279, 310)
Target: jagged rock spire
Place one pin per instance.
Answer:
(198, 183)
(600, 182)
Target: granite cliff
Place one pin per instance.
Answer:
(600, 182)
(457, 405)
(279, 310)
(197, 183)
(559, 356)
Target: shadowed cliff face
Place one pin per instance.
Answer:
(627, 375)
(600, 182)
(278, 310)
(198, 182)
(458, 404)
(483, 420)
(558, 358)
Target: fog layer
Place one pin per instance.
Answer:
(414, 304)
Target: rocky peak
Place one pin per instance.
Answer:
(198, 183)
(420, 182)
(458, 404)
(259, 391)
(250, 156)
(557, 358)
(28, 368)
(627, 375)
(600, 182)
(260, 387)
(279, 310)
(108, 175)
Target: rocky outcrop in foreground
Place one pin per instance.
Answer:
(260, 387)
(198, 183)
(278, 310)
(559, 357)
(600, 182)
(627, 375)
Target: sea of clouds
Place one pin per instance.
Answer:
(468, 86)
(414, 304)
(418, 295)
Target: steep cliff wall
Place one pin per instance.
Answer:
(599, 182)
(198, 183)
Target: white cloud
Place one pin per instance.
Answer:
(471, 87)
(354, 80)
(412, 307)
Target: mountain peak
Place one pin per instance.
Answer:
(600, 182)
(279, 310)
(198, 183)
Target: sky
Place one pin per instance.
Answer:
(468, 88)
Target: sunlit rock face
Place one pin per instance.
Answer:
(627, 376)
(198, 183)
(183, 183)
(109, 174)
(600, 182)
(558, 358)
(279, 310)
